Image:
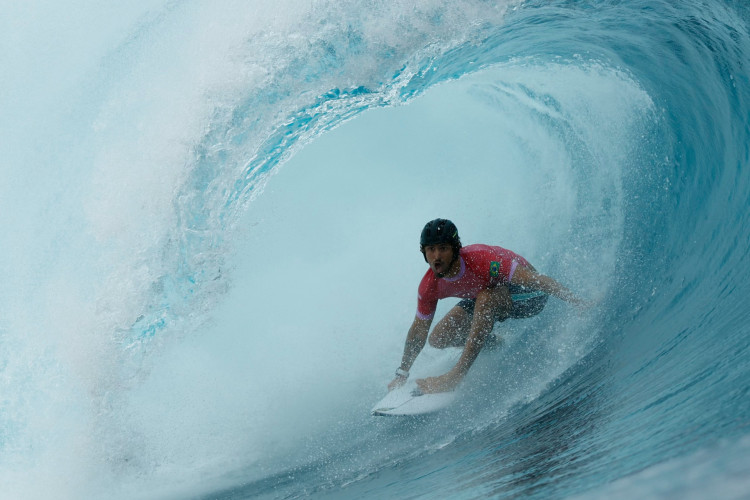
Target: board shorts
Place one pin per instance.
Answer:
(526, 303)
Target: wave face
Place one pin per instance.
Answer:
(182, 318)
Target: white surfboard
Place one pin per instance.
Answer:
(408, 400)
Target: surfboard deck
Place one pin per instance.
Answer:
(408, 400)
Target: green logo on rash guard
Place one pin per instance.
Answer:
(494, 269)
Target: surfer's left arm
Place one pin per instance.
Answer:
(529, 278)
(485, 309)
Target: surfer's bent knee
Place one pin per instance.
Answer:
(451, 331)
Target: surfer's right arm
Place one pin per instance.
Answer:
(415, 341)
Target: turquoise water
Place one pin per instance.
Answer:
(210, 257)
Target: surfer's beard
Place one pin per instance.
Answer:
(450, 266)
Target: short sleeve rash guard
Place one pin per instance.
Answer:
(482, 267)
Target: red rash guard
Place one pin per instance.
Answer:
(482, 267)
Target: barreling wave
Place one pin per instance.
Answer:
(607, 142)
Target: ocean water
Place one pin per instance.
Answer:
(209, 257)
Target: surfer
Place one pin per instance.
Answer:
(494, 283)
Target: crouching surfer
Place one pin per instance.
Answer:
(494, 283)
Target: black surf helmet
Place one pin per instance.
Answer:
(440, 231)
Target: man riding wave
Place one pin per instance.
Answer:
(494, 283)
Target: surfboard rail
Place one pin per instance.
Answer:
(409, 400)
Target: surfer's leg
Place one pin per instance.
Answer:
(526, 303)
(495, 309)
(452, 330)
(500, 308)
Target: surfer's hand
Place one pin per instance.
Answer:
(396, 382)
(443, 383)
(584, 306)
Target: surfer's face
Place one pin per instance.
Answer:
(439, 257)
